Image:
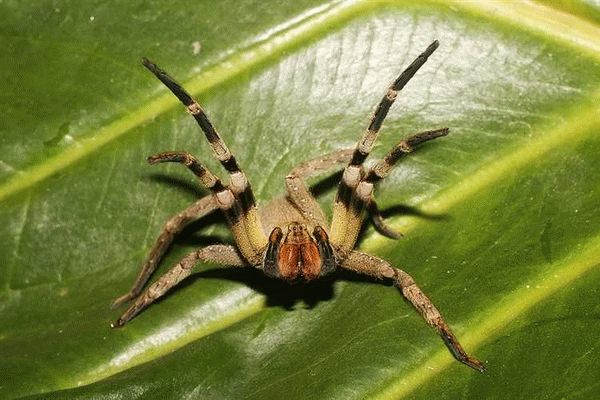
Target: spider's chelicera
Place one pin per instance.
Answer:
(288, 239)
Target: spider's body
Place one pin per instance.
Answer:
(288, 239)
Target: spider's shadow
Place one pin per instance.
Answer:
(278, 293)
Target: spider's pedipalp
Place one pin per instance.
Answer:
(328, 259)
(372, 266)
(379, 223)
(249, 222)
(270, 260)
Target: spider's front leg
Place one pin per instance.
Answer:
(242, 213)
(355, 190)
(220, 254)
(378, 268)
(303, 200)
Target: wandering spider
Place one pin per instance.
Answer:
(288, 238)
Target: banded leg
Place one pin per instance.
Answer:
(298, 191)
(378, 268)
(220, 254)
(301, 197)
(239, 183)
(406, 146)
(343, 210)
(363, 194)
(170, 229)
(224, 198)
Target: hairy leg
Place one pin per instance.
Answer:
(363, 193)
(220, 254)
(405, 147)
(298, 191)
(170, 229)
(379, 222)
(224, 197)
(303, 200)
(376, 267)
(244, 197)
(347, 209)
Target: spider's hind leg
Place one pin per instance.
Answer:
(220, 254)
(378, 268)
(169, 230)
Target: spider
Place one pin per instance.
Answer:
(288, 239)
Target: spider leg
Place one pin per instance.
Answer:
(220, 254)
(379, 222)
(377, 173)
(406, 146)
(303, 200)
(346, 215)
(170, 229)
(224, 198)
(298, 191)
(239, 183)
(378, 268)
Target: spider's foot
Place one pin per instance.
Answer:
(475, 364)
(386, 231)
(457, 350)
(117, 324)
(121, 300)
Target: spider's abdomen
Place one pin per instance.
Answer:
(298, 255)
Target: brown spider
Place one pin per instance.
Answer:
(288, 239)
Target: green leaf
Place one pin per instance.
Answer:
(504, 240)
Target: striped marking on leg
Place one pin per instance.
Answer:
(240, 185)
(406, 146)
(365, 144)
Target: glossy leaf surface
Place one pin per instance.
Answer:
(500, 218)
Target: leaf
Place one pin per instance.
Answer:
(504, 241)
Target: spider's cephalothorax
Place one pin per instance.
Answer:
(304, 249)
(298, 255)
